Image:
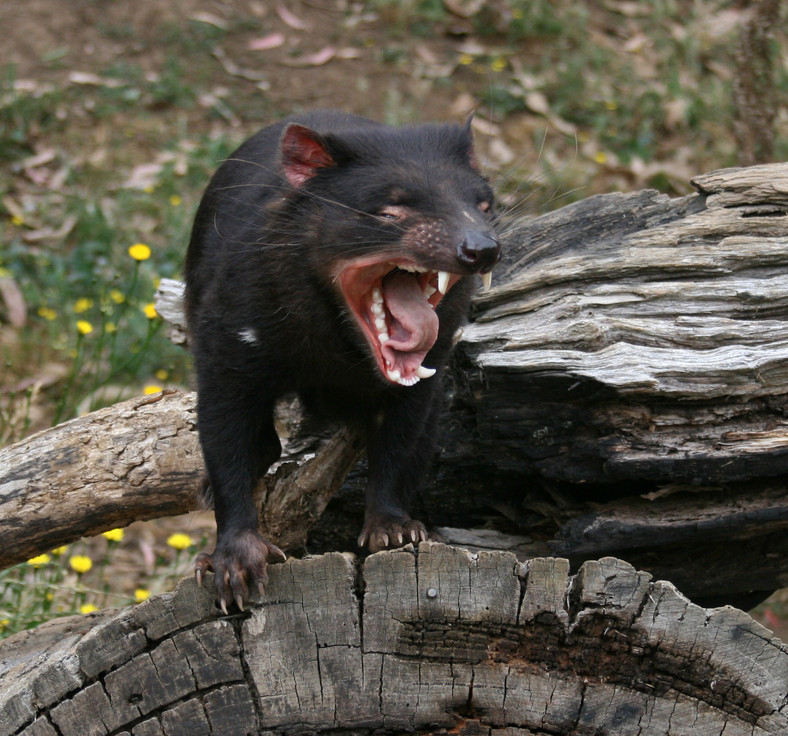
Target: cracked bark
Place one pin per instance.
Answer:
(502, 648)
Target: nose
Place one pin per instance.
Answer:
(479, 251)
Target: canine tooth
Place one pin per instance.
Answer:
(443, 281)
(394, 375)
(424, 372)
(487, 280)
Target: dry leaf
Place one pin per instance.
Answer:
(316, 59)
(210, 19)
(48, 233)
(291, 20)
(15, 306)
(271, 41)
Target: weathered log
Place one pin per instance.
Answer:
(621, 390)
(438, 642)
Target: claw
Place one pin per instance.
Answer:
(239, 601)
(198, 576)
(223, 606)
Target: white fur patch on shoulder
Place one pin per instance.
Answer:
(248, 335)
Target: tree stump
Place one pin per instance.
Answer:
(439, 641)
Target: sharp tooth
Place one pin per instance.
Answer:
(394, 375)
(443, 281)
(429, 290)
(423, 372)
(412, 381)
(487, 280)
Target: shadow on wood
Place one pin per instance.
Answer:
(435, 642)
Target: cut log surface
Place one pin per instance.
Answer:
(436, 642)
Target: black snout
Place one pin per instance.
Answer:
(479, 251)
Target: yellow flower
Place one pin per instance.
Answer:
(82, 305)
(466, 59)
(39, 561)
(84, 327)
(151, 388)
(150, 189)
(114, 535)
(141, 594)
(162, 374)
(600, 157)
(87, 608)
(17, 220)
(117, 296)
(175, 200)
(150, 311)
(139, 252)
(179, 541)
(47, 313)
(498, 64)
(110, 327)
(59, 550)
(80, 563)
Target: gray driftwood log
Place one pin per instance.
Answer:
(622, 390)
(439, 642)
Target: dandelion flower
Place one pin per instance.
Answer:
(139, 252)
(600, 157)
(150, 311)
(179, 541)
(82, 305)
(84, 327)
(162, 374)
(39, 560)
(17, 220)
(110, 327)
(151, 388)
(117, 296)
(114, 535)
(80, 563)
(498, 64)
(47, 313)
(58, 551)
(141, 594)
(466, 59)
(175, 200)
(87, 608)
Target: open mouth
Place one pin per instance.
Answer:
(394, 302)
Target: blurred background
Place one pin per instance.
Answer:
(113, 115)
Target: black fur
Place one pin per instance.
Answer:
(267, 316)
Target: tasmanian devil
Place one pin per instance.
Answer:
(330, 258)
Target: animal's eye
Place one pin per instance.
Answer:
(393, 213)
(485, 207)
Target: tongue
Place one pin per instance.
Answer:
(414, 325)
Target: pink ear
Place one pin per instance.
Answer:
(472, 160)
(303, 152)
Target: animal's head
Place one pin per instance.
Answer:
(404, 215)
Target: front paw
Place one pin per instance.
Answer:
(382, 531)
(239, 560)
